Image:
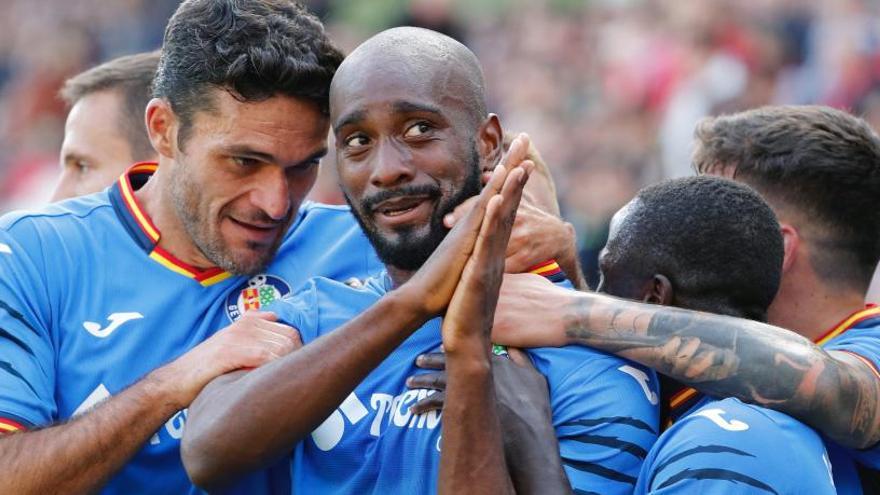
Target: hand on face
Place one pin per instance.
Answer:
(468, 318)
(539, 234)
(431, 288)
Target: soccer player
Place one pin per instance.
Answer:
(105, 132)
(408, 110)
(819, 169)
(114, 298)
(713, 245)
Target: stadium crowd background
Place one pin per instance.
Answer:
(609, 90)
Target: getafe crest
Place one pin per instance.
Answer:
(257, 293)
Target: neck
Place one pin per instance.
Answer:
(398, 275)
(812, 309)
(155, 199)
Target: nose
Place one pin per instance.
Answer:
(272, 193)
(392, 166)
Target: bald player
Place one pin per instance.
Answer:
(413, 134)
(105, 131)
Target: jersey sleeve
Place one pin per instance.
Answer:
(605, 412)
(727, 447)
(27, 358)
(864, 343)
(299, 310)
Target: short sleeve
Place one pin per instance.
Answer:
(27, 357)
(300, 310)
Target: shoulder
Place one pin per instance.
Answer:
(77, 210)
(322, 304)
(729, 446)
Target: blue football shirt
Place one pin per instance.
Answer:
(728, 447)
(89, 304)
(604, 409)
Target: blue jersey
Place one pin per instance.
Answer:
(729, 447)
(89, 304)
(604, 409)
(858, 335)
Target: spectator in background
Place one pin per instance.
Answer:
(105, 131)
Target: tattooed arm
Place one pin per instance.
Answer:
(835, 392)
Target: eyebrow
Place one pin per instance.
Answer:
(267, 157)
(400, 106)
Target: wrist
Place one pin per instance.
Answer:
(166, 387)
(408, 304)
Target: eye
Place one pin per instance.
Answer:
(82, 166)
(245, 162)
(304, 167)
(356, 142)
(417, 129)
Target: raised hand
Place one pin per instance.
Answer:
(432, 287)
(468, 318)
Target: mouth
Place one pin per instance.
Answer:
(403, 210)
(257, 232)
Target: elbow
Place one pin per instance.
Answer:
(202, 468)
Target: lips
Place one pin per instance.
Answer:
(258, 232)
(403, 210)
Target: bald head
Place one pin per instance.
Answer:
(419, 62)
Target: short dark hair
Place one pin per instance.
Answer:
(131, 76)
(716, 240)
(822, 162)
(254, 49)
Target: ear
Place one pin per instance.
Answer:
(489, 142)
(791, 241)
(658, 290)
(162, 127)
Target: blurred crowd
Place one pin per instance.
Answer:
(609, 90)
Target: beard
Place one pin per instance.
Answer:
(187, 199)
(409, 248)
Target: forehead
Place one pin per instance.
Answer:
(92, 127)
(378, 86)
(96, 113)
(280, 125)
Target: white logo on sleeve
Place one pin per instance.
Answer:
(5, 249)
(100, 393)
(116, 321)
(714, 415)
(642, 378)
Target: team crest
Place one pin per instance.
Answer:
(256, 293)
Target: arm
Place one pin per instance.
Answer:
(472, 459)
(81, 455)
(296, 393)
(523, 404)
(834, 392)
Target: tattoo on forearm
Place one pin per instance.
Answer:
(731, 357)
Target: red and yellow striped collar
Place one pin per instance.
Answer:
(145, 233)
(871, 311)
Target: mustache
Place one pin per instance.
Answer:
(369, 203)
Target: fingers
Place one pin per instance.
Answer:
(433, 402)
(435, 380)
(461, 210)
(261, 315)
(432, 361)
(517, 151)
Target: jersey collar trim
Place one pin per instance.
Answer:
(684, 399)
(144, 232)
